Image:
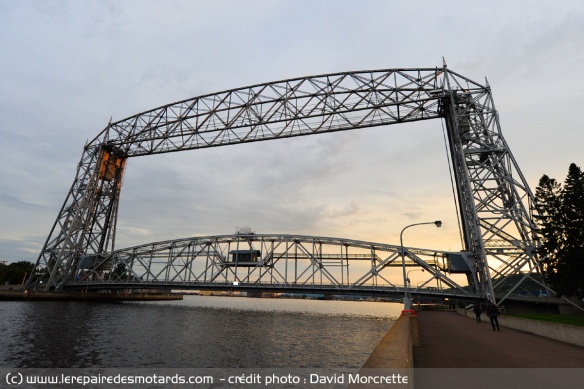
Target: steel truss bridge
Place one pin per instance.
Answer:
(494, 201)
(271, 263)
(261, 262)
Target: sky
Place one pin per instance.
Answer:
(69, 67)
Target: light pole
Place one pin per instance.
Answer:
(418, 289)
(409, 271)
(407, 304)
(410, 282)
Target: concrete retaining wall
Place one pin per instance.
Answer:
(560, 332)
(395, 349)
(393, 357)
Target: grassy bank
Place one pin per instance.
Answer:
(554, 318)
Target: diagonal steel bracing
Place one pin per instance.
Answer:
(493, 197)
(284, 262)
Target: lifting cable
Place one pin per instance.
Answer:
(452, 185)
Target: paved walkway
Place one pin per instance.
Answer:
(456, 352)
(448, 339)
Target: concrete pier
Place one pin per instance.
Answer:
(392, 358)
(30, 295)
(395, 349)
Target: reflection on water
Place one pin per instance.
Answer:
(195, 332)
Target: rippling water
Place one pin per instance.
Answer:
(199, 331)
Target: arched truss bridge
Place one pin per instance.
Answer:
(261, 262)
(493, 198)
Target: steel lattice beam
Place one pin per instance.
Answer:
(286, 262)
(282, 109)
(493, 196)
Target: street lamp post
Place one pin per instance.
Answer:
(410, 282)
(409, 271)
(418, 289)
(407, 304)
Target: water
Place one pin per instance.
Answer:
(226, 332)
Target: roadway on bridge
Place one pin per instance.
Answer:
(472, 355)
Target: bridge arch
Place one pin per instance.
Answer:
(492, 195)
(267, 262)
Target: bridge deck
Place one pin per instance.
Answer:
(471, 354)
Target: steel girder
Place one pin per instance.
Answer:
(493, 196)
(284, 262)
(87, 220)
(282, 109)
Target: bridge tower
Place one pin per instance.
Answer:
(493, 197)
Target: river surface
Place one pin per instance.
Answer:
(199, 331)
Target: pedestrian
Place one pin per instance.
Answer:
(477, 311)
(493, 313)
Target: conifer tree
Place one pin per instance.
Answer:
(548, 197)
(572, 258)
(573, 207)
(560, 218)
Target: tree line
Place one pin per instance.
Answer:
(560, 218)
(15, 273)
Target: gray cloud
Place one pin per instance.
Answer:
(68, 66)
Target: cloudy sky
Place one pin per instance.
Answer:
(67, 67)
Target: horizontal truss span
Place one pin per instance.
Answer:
(274, 262)
(281, 109)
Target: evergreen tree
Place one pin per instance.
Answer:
(548, 196)
(573, 207)
(572, 256)
(560, 217)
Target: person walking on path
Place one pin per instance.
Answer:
(493, 313)
(477, 311)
